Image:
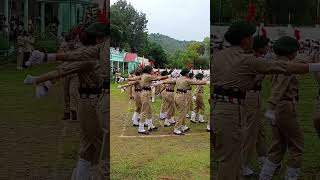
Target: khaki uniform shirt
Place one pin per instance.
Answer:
(233, 68)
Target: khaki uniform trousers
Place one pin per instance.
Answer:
(146, 106)
(70, 93)
(287, 135)
(228, 126)
(199, 104)
(254, 133)
(164, 105)
(189, 99)
(91, 133)
(137, 101)
(316, 116)
(181, 102)
(170, 105)
(104, 110)
(19, 57)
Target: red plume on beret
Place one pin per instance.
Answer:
(103, 15)
(297, 34)
(264, 32)
(252, 11)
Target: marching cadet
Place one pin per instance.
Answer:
(254, 136)
(146, 107)
(287, 134)
(233, 74)
(28, 47)
(136, 97)
(164, 104)
(316, 114)
(90, 64)
(189, 93)
(70, 83)
(198, 102)
(20, 43)
(182, 83)
(169, 98)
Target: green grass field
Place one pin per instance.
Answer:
(173, 157)
(35, 143)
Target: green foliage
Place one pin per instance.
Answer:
(128, 30)
(268, 11)
(170, 45)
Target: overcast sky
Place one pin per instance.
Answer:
(179, 19)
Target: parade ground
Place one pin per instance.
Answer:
(160, 155)
(35, 143)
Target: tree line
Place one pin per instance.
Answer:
(295, 12)
(129, 32)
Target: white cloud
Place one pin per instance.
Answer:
(180, 19)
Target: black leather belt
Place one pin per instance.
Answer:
(232, 95)
(169, 90)
(181, 91)
(296, 98)
(146, 88)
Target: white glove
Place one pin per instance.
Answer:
(194, 97)
(41, 91)
(208, 82)
(30, 80)
(270, 115)
(36, 57)
(122, 90)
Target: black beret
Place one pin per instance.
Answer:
(164, 73)
(260, 42)
(147, 69)
(184, 71)
(286, 45)
(199, 76)
(239, 30)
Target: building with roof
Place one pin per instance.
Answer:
(125, 62)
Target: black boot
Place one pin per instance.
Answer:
(74, 115)
(66, 116)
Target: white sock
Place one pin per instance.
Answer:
(83, 168)
(201, 118)
(267, 170)
(141, 127)
(292, 173)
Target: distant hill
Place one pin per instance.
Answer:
(170, 45)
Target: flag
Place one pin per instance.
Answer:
(252, 12)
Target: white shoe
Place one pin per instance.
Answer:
(246, 171)
(162, 116)
(261, 160)
(177, 132)
(29, 80)
(82, 170)
(208, 127)
(193, 117)
(172, 121)
(201, 119)
(167, 123)
(292, 173)
(135, 119)
(141, 129)
(150, 125)
(185, 128)
(267, 170)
